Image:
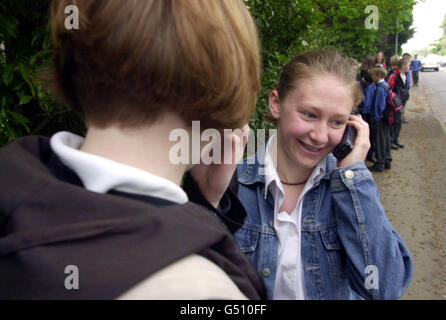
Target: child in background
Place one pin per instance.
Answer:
(407, 57)
(394, 60)
(399, 84)
(380, 60)
(368, 89)
(381, 129)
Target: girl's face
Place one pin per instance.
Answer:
(406, 67)
(380, 56)
(312, 119)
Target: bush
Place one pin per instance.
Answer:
(287, 27)
(26, 49)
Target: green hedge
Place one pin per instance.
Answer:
(25, 107)
(287, 27)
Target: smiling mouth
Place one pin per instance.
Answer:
(310, 149)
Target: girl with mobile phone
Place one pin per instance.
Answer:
(316, 228)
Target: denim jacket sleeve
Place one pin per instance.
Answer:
(379, 264)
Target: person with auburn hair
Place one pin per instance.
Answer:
(365, 70)
(380, 60)
(108, 209)
(316, 228)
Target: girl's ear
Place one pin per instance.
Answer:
(274, 104)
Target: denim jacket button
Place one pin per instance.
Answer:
(271, 223)
(266, 272)
(349, 174)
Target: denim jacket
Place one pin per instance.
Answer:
(349, 248)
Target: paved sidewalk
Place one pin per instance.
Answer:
(413, 193)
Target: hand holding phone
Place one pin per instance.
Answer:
(347, 143)
(355, 143)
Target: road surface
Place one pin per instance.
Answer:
(434, 84)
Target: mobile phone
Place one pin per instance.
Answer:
(347, 142)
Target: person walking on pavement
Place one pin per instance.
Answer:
(415, 66)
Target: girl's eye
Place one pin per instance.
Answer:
(338, 123)
(308, 115)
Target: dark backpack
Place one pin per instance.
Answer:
(393, 104)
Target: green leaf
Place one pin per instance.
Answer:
(21, 119)
(25, 99)
(19, 86)
(8, 25)
(10, 132)
(41, 94)
(42, 53)
(24, 71)
(8, 74)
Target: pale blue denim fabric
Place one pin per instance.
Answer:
(344, 230)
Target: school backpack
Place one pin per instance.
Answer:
(389, 75)
(393, 104)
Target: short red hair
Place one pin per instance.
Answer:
(132, 60)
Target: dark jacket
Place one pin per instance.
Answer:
(49, 221)
(400, 87)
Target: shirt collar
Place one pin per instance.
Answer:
(270, 166)
(101, 175)
(271, 173)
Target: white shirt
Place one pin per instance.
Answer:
(403, 76)
(193, 277)
(289, 282)
(101, 175)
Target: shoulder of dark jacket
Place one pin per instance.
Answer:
(231, 212)
(37, 211)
